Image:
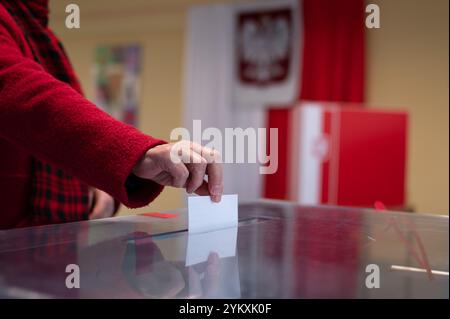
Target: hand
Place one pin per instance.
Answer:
(209, 286)
(184, 165)
(104, 205)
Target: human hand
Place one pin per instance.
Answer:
(103, 207)
(184, 165)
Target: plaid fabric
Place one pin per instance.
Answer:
(56, 196)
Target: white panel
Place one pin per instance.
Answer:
(309, 173)
(209, 91)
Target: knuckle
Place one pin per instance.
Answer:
(215, 155)
(208, 154)
(184, 175)
(218, 158)
(178, 183)
(199, 168)
(196, 183)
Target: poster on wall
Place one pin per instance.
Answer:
(117, 80)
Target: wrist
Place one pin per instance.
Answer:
(147, 164)
(138, 167)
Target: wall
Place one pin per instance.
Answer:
(158, 27)
(407, 67)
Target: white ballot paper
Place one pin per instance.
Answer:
(221, 242)
(204, 215)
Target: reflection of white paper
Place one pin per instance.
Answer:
(205, 215)
(222, 242)
(218, 281)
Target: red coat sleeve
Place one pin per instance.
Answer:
(52, 121)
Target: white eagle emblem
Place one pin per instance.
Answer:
(264, 48)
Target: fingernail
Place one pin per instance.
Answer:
(216, 190)
(216, 198)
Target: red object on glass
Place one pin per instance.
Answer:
(160, 215)
(379, 206)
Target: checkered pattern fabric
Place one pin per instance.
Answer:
(56, 196)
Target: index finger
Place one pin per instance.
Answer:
(214, 170)
(215, 181)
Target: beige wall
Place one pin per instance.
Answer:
(407, 66)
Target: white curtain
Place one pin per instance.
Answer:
(210, 89)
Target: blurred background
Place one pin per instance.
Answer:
(148, 48)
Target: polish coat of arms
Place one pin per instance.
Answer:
(264, 42)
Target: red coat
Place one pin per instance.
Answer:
(38, 119)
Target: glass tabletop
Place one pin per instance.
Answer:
(278, 250)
